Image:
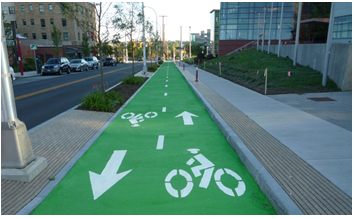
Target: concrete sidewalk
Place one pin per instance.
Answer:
(26, 74)
(308, 160)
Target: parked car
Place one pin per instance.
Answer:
(79, 65)
(56, 66)
(12, 72)
(110, 61)
(92, 61)
(140, 58)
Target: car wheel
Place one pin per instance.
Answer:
(68, 70)
(81, 69)
(60, 72)
(87, 68)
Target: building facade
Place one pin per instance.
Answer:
(242, 22)
(35, 21)
(214, 32)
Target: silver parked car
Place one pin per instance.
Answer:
(79, 65)
(92, 61)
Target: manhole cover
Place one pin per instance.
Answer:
(320, 99)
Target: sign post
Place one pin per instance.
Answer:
(34, 48)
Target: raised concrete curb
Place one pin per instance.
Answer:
(282, 203)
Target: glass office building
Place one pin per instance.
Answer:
(243, 21)
(240, 20)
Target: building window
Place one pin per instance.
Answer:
(51, 21)
(43, 23)
(81, 10)
(4, 10)
(50, 7)
(65, 36)
(11, 10)
(32, 22)
(34, 35)
(25, 35)
(44, 36)
(41, 9)
(78, 36)
(24, 23)
(30, 7)
(342, 28)
(64, 22)
(22, 8)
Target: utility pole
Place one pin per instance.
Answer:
(163, 33)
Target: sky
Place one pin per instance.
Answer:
(184, 13)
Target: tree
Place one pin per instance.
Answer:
(85, 47)
(70, 10)
(57, 40)
(129, 20)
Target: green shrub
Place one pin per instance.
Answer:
(133, 80)
(96, 102)
(151, 69)
(29, 64)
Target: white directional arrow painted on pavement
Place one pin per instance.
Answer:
(187, 117)
(100, 183)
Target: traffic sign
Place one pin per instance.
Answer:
(33, 46)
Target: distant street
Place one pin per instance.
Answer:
(41, 98)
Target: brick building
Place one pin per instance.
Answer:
(34, 20)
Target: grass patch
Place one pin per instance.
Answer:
(242, 68)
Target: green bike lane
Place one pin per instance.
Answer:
(162, 155)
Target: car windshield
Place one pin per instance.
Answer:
(75, 61)
(108, 59)
(88, 59)
(53, 61)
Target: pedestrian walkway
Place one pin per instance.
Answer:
(26, 74)
(309, 158)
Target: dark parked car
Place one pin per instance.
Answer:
(110, 61)
(79, 65)
(56, 66)
(140, 58)
(92, 61)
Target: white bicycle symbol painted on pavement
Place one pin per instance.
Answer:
(208, 166)
(135, 119)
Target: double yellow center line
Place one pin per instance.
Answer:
(63, 85)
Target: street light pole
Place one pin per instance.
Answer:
(156, 31)
(297, 33)
(268, 47)
(144, 55)
(280, 33)
(190, 42)
(262, 46)
(16, 150)
(328, 45)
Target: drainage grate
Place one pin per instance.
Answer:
(320, 99)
